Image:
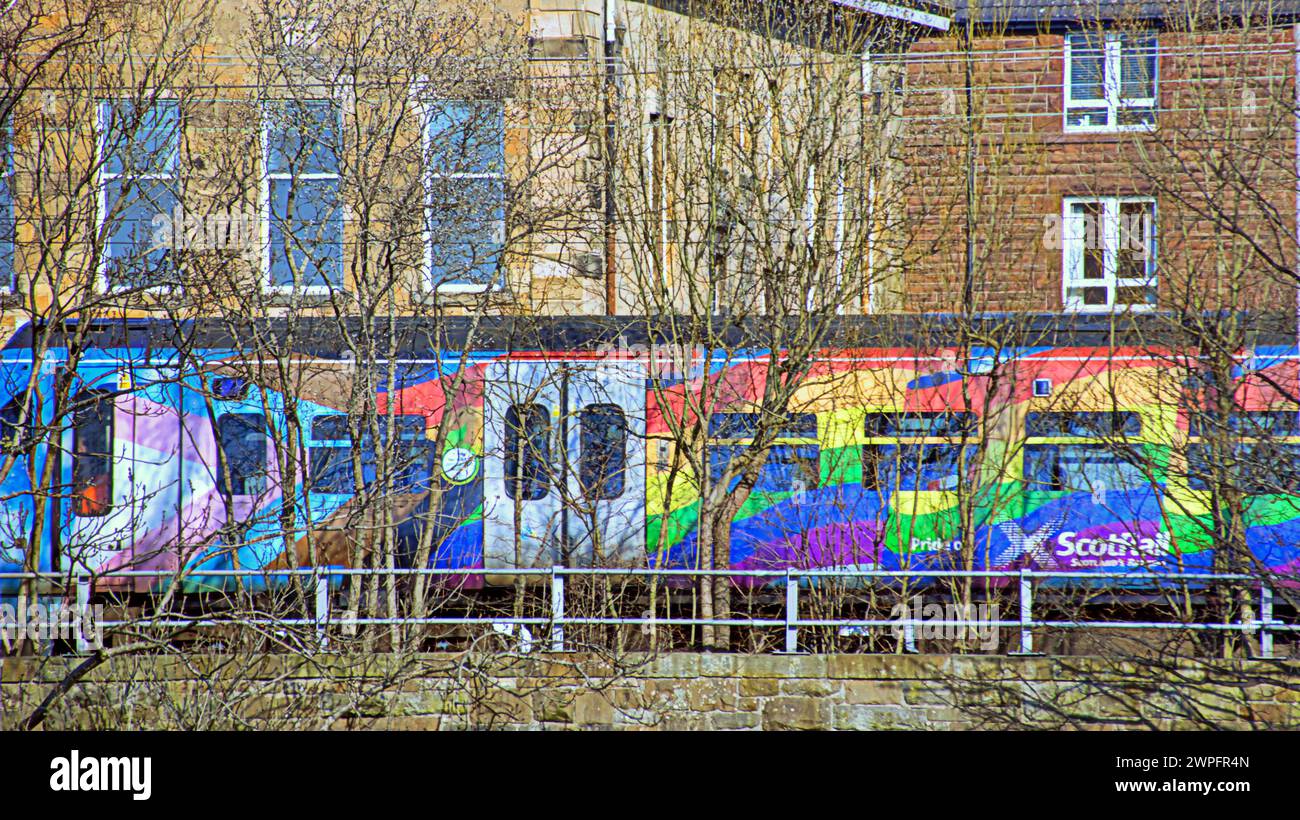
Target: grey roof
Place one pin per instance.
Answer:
(1046, 12)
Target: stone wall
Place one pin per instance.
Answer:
(681, 691)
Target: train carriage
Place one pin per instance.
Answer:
(531, 444)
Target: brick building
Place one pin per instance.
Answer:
(1109, 155)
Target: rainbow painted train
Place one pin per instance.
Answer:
(534, 442)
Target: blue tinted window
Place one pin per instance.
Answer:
(331, 454)
(242, 438)
(1082, 468)
(1262, 468)
(466, 137)
(303, 137)
(304, 193)
(465, 191)
(923, 467)
(1261, 424)
(602, 456)
(306, 232)
(528, 451)
(141, 140)
(138, 190)
(788, 468)
(1082, 425)
(946, 425)
(745, 425)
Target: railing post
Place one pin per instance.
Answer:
(557, 609)
(322, 588)
(1265, 620)
(791, 614)
(83, 609)
(1026, 613)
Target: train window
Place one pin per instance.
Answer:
(1253, 468)
(528, 451)
(918, 465)
(603, 451)
(1084, 425)
(92, 453)
(745, 425)
(924, 467)
(242, 439)
(951, 424)
(1250, 424)
(332, 470)
(788, 467)
(13, 433)
(1081, 468)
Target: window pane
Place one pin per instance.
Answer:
(528, 451)
(788, 467)
(1135, 249)
(407, 456)
(465, 224)
(141, 140)
(1088, 117)
(242, 438)
(1087, 232)
(92, 454)
(137, 253)
(1087, 68)
(745, 425)
(466, 137)
(1081, 468)
(1137, 65)
(303, 137)
(914, 467)
(950, 424)
(602, 451)
(1264, 468)
(306, 213)
(1093, 424)
(13, 432)
(1137, 115)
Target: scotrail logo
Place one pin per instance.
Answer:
(102, 774)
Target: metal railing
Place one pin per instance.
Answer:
(1264, 627)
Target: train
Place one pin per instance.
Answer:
(534, 442)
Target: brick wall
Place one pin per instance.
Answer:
(1223, 153)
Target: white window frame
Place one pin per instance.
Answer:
(421, 102)
(1112, 83)
(103, 118)
(264, 198)
(1073, 244)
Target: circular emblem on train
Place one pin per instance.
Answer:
(459, 464)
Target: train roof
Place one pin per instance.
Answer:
(421, 337)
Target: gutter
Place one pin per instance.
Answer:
(897, 12)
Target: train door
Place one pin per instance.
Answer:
(124, 467)
(522, 487)
(564, 474)
(605, 449)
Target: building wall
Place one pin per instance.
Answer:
(1224, 104)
